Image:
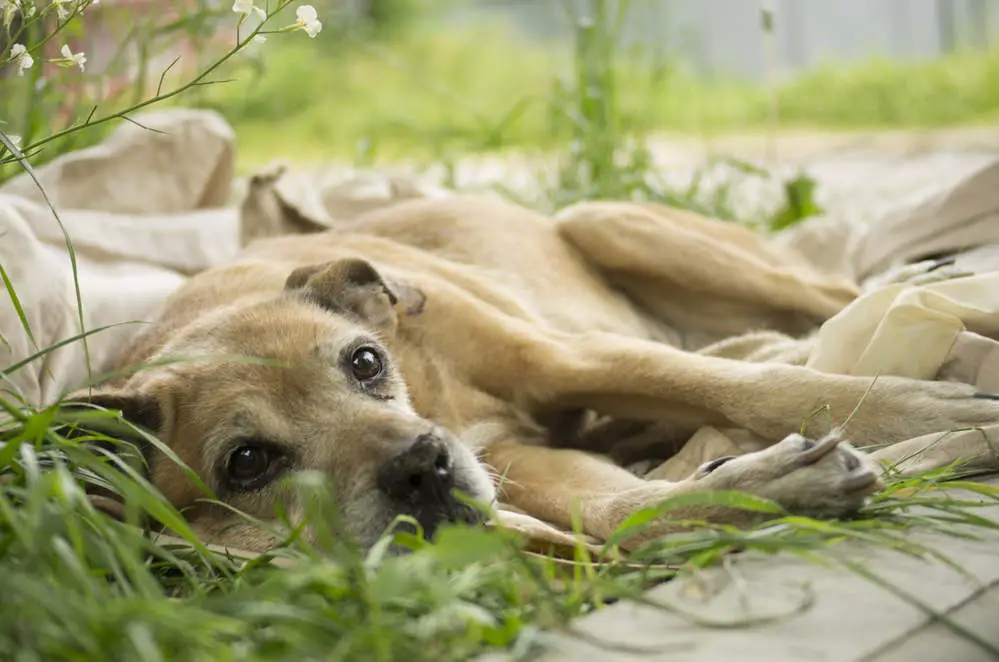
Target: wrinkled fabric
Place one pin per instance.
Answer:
(142, 210)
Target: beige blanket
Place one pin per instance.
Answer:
(145, 209)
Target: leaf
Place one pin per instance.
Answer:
(458, 546)
(51, 348)
(718, 498)
(18, 308)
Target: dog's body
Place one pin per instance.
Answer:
(478, 318)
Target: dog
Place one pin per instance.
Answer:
(465, 344)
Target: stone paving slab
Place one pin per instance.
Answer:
(938, 642)
(850, 618)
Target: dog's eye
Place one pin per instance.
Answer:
(252, 465)
(365, 364)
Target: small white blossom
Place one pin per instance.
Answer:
(308, 20)
(246, 7)
(20, 56)
(69, 58)
(8, 8)
(61, 11)
(256, 15)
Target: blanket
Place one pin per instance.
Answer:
(140, 212)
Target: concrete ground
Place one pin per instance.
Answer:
(781, 608)
(830, 613)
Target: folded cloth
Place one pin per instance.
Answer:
(141, 210)
(954, 217)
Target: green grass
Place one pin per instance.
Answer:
(82, 586)
(426, 94)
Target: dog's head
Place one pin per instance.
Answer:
(296, 382)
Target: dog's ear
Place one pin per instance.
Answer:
(354, 287)
(140, 409)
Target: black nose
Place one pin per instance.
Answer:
(421, 474)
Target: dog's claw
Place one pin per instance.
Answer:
(987, 396)
(857, 480)
(819, 450)
(942, 262)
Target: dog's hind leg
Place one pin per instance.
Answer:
(701, 274)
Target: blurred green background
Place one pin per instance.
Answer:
(435, 79)
(426, 79)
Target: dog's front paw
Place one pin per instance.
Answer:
(824, 478)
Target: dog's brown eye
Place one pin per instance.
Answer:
(250, 464)
(365, 364)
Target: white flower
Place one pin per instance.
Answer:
(256, 15)
(20, 55)
(306, 13)
(61, 11)
(69, 58)
(8, 8)
(308, 20)
(246, 7)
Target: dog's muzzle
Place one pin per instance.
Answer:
(420, 482)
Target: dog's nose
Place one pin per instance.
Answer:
(420, 474)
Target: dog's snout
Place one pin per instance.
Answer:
(421, 473)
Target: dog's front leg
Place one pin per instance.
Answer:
(631, 378)
(566, 487)
(536, 368)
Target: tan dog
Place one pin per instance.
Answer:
(379, 342)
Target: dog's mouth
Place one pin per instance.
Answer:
(424, 480)
(449, 511)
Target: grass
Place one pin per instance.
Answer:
(81, 585)
(428, 94)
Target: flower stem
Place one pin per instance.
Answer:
(121, 114)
